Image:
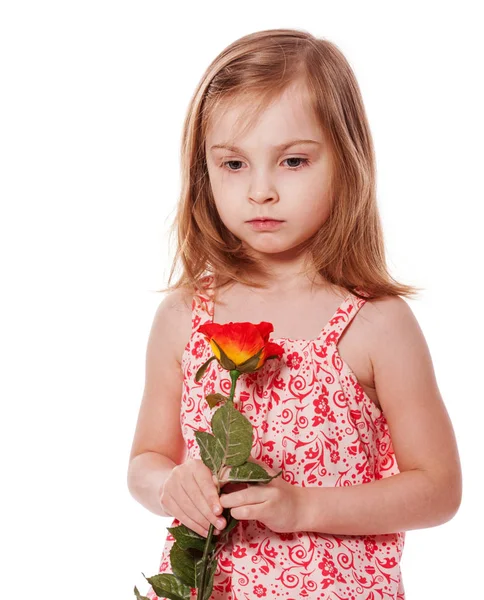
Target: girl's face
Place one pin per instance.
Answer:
(257, 177)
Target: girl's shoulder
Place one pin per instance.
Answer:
(182, 301)
(385, 309)
(379, 315)
(179, 303)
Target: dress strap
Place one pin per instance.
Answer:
(344, 315)
(202, 303)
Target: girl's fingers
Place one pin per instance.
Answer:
(193, 525)
(182, 510)
(207, 485)
(191, 502)
(185, 517)
(189, 507)
(195, 495)
(198, 497)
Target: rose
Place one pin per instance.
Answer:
(239, 348)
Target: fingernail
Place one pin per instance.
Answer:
(216, 509)
(220, 523)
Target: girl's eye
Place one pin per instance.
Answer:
(305, 162)
(231, 162)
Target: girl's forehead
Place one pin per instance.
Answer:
(290, 111)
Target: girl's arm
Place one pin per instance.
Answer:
(158, 445)
(428, 489)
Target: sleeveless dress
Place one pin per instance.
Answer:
(312, 419)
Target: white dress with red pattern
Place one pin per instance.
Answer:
(312, 419)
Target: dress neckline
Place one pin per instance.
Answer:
(322, 334)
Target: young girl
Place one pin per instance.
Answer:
(278, 222)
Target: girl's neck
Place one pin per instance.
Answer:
(291, 283)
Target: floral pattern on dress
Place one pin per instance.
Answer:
(312, 419)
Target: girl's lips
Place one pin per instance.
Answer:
(265, 225)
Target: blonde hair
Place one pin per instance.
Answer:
(348, 250)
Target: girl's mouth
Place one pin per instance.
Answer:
(266, 225)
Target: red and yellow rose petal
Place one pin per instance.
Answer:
(241, 341)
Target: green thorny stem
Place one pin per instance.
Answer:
(234, 374)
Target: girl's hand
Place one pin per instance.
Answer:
(276, 504)
(189, 494)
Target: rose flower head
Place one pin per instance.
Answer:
(242, 346)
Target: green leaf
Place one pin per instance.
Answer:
(166, 585)
(211, 450)
(234, 432)
(214, 399)
(186, 538)
(195, 553)
(224, 360)
(211, 567)
(183, 564)
(250, 365)
(250, 472)
(138, 595)
(203, 368)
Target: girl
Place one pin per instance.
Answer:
(278, 222)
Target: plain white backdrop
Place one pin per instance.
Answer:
(93, 96)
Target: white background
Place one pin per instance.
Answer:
(93, 95)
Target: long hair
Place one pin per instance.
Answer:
(348, 250)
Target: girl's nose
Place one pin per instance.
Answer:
(261, 197)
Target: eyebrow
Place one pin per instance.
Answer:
(280, 147)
